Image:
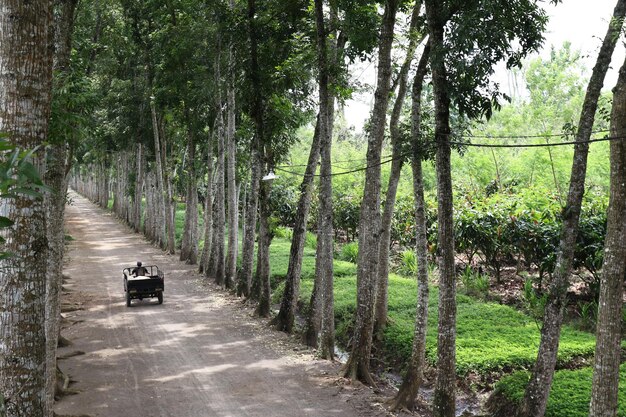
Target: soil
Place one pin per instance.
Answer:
(200, 353)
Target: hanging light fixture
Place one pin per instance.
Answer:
(270, 176)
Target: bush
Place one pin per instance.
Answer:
(283, 232)
(474, 283)
(533, 301)
(310, 240)
(349, 252)
(408, 263)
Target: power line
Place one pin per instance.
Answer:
(479, 145)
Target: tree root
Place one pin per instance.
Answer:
(70, 354)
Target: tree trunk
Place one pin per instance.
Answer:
(604, 389)
(357, 366)
(170, 204)
(257, 148)
(263, 257)
(286, 315)
(444, 395)
(25, 82)
(189, 244)
(56, 178)
(324, 258)
(218, 267)
(538, 389)
(412, 381)
(380, 310)
(203, 267)
(231, 255)
(160, 222)
(138, 188)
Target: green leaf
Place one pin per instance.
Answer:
(6, 222)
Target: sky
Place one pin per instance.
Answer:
(581, 22)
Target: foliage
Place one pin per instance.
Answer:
(491, 337)
(474, 283)
(18, 176)
(349, 252)
(407, 263)
(533, 302)
(310, 240)
(569, 396)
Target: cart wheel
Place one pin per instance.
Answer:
(160, 297)
(127, 299)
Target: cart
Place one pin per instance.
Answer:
(150, 285)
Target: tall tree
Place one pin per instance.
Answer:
(324, 258)
(358, 366)
(55, 177)
(407, 394)
(25, 83)
(380, 313)
(604, 389)
(444, 401)
(538, 389)
(189, 244)
(231, 146)
(467, 39)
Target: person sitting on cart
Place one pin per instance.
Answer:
(139, 271)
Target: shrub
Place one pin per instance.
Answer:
(310, 240)
(283, 232)
(349, 252)
(474, 283)
(408, 263)
(533, 302)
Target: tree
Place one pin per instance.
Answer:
(57, 167)
(538, 389)
(324, 258)
(467, 39)
(25, 84)
(407, 394)
(358, 366)
(231, 146)
(380, 313)
(604, 389)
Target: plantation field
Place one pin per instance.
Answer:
(569, 397)
(490, 337)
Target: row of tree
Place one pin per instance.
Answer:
(156, 99)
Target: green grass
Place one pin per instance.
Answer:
(490, 337)
(570, 393)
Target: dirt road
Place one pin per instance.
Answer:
(200, 353)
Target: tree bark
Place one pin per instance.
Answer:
(324, 258)
(189, 244)
(203, 267)
(444, 396)
(57, 168)
(258, 152)
(219, 268)
(286, 315)
(538, 389)
(170, 204)
(604, 389)
(231, 256)
(244, 285)
(263, 257)
(25, 83)
(160, 222)
(138, 188)
(407, 394)
(358, 366)
(380, 310)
